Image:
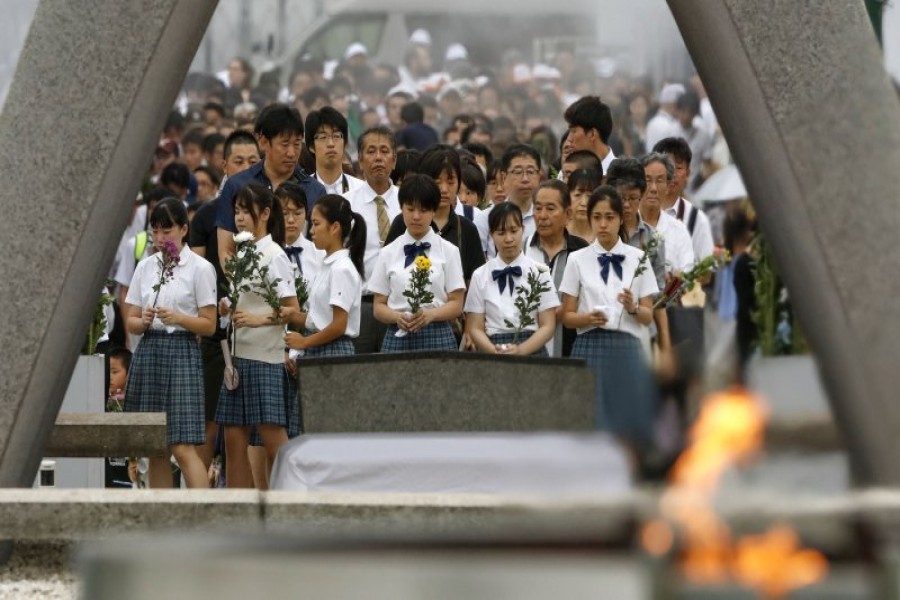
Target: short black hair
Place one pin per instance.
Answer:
(412, 112)
(314, 94)
(473, 177)
(626, 171)
(123, 354)
(239, 137)
(278, 119)
(585, 159)
(194, 137)
(439, 158)
(589, 112)
(479, 149)
(584, 179)
(170, 212)
(175, 174)
(407, 163)
(675, 147)
(211, 141)
(419, 189)
(382, 130)
(214, 174)
(292, 192)
(155, 195)
(501, 213)
(517, 150)
(557, 186)
(326, 116)
(216, 107)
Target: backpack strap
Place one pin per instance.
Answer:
(692, 220)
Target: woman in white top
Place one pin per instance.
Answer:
(492, 318)
(166, 373)
(429, 328)
(335, 297)
(258, 400)
(609, 306)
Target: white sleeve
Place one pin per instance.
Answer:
(205, 285)
(280, 267)
(134, 285)
(645, 284)
(702, 238)
(379, 282)
(345, 287)
(682, 247)
(481, 222)
(549, 299)
(475, 296)
(571, 281)
(453, 273)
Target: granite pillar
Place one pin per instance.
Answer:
(93, 86)
(799, 89)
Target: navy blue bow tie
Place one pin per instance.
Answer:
(504, 277)
(294, 254)
(413, 251)
(610, 259)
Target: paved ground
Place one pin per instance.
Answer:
(39, 570)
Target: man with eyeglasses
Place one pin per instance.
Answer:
(326, 138)
(590, 125)
(659, 171)
(521, 174)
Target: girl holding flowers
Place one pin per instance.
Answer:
(418, 279)
(335, 297)
(511, 306)
(171, 300)
(262, 275)
(609, 307)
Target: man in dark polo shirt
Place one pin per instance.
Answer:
(241, 153)
(279, 130)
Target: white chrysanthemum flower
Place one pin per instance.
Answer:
(244, 236)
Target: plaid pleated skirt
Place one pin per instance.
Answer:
(291, 407)
(434, 336)
(625, 400)
(259, 397)
(507, 338)
(166, 375)
(343, 346)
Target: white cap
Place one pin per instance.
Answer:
(456, 52)
(544, 71)
(420, 36)
(521, 73)
(355, 49)
(670, 93)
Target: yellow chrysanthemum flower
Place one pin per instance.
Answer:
(423, 263)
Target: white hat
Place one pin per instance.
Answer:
(545, 71)
(420, 36)
(670, 93)
(355, 49)
(521, 73)
(456, 52)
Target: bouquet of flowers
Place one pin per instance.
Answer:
(247, 274)
(528, 300)
(419, 290)
(685, 283)
(168, 260)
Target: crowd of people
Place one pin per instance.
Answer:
(531, 211)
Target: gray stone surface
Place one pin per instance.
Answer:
(108, 434)
(445, 391)
(94, 83)
(799, 89)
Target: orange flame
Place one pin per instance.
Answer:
(729, 431)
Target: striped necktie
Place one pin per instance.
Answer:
(384, 223)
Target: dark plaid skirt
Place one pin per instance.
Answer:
(625, 400)
(507, 338)
(166, 375)
(434, 336)
(259, 397)
(342, 346)
(291, 407)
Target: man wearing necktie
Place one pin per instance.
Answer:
(376, 200)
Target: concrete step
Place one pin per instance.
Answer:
(86, 435)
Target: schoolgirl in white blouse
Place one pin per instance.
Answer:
(335, 297)
(166, 373)
(429, 328)
(490, 304)
(608, 305)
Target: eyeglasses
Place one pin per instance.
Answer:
(337, 136)
(520, 172)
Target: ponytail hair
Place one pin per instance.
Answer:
(334, 208)
(256, 198)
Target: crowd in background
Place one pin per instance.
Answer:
(513, 166)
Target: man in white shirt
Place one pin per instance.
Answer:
(326, 137)
(376, 201)
(676, 205)
(590, 125)
(660, 174)
(663, 123)
(521, 173)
